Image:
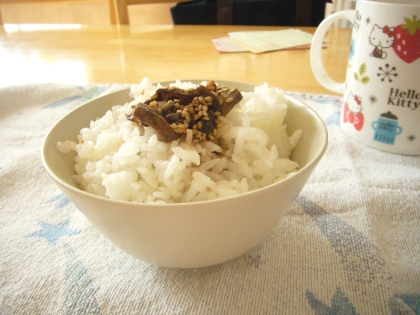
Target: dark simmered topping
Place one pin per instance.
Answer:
(172, 111)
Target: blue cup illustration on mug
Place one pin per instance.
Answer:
(386, 128)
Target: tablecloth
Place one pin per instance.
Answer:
(350, 243)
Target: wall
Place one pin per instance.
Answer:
(90, 12)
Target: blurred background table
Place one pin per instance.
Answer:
(110, 54)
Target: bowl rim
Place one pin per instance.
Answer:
(271, 186)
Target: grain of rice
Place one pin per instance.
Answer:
(203, 179)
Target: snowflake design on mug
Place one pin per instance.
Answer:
(411, 138)
(373, 99)
(387, 72)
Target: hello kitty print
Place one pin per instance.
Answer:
(403, 39)
(381, 38)
(352, 112)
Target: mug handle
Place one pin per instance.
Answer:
(317, 64)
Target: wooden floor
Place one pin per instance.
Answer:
(92, 12)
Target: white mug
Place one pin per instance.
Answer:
(381, 93)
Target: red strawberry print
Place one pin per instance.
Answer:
(407, 40)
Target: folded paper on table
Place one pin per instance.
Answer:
(263, 41)
(228, 45)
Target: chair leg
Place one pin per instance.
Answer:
(1, 19)
(112, 13)
(119, 12)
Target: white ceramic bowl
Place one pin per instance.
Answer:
(187, 235)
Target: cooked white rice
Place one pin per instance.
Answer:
(115, 159)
